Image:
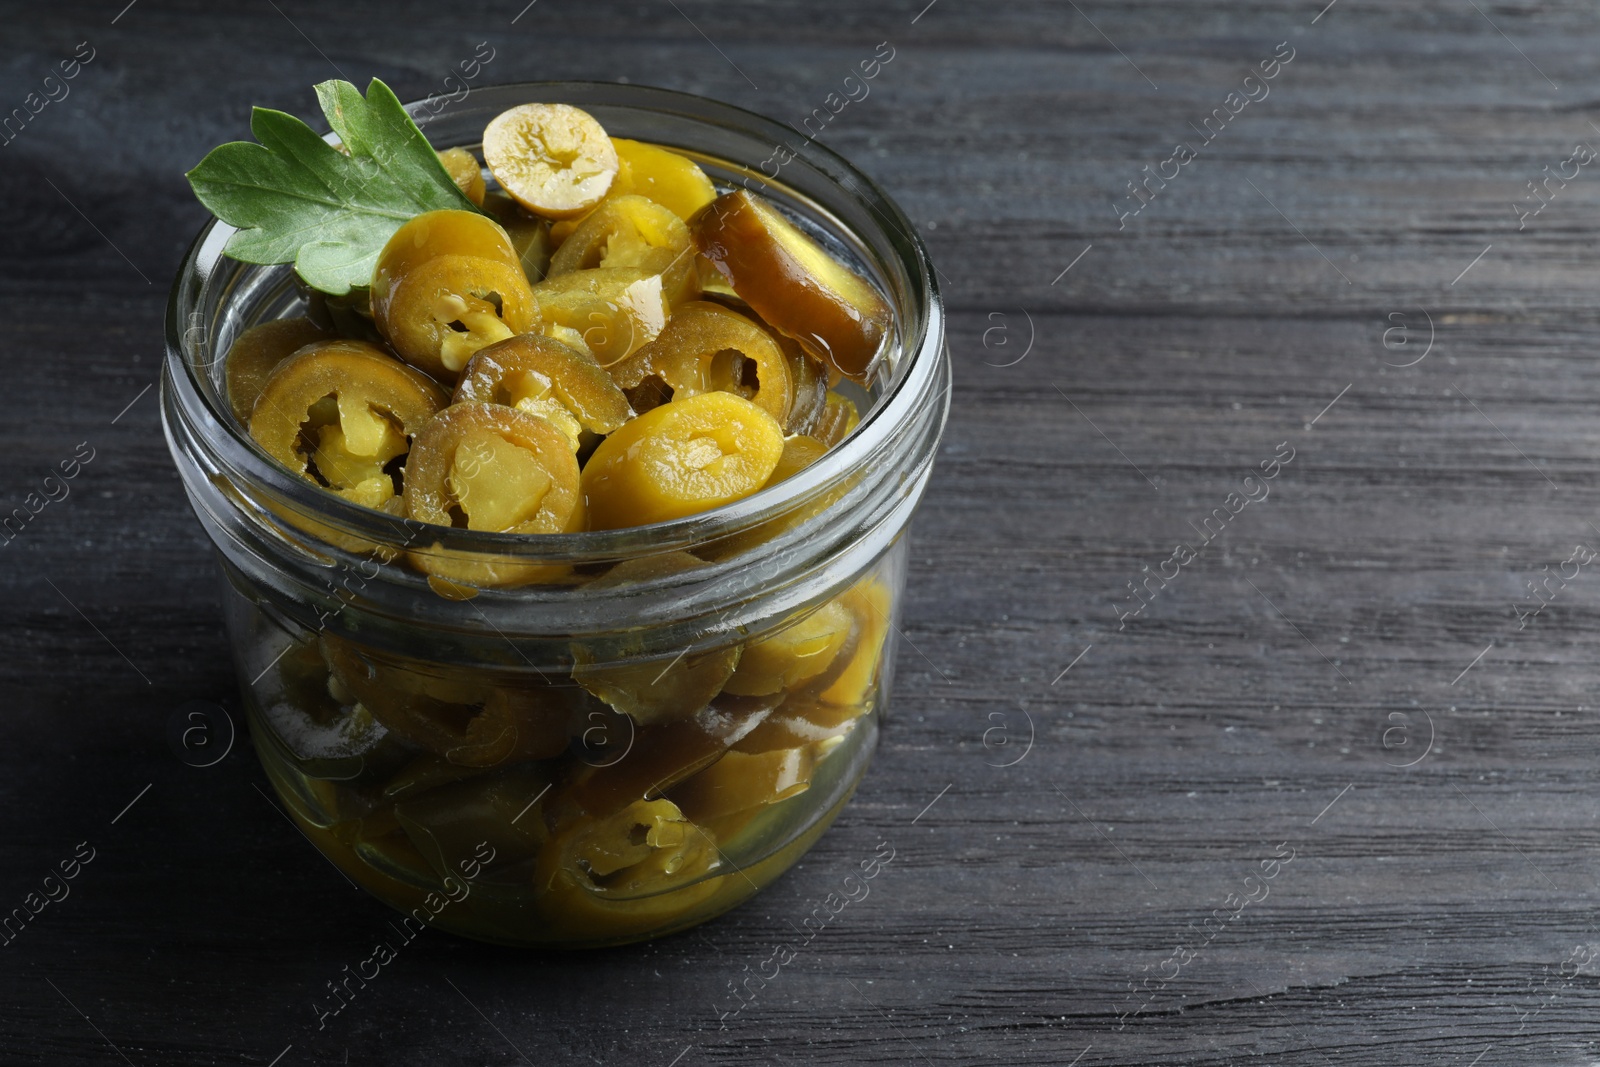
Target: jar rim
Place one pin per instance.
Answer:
(917, 316)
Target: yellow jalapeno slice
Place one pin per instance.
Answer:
(740, 781)
(674, 181)
(632, 231)
(339, 413)
(463, 169)
(627, 873)
(681, 459)
(542, 376)
(708, 348)
(666, 177)
(799, 452)
(417, 703)
(494, 468)
(850, 692)
(256, 354)
(608, 312)
(795, 654)
(838, 417)
(660, 689)
(554, 159)
(651, 761)
(481, 828)
(447, 284)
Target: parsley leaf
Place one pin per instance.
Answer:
(297, 199)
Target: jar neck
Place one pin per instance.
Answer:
(314, 584)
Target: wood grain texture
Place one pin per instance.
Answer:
(1267, 696)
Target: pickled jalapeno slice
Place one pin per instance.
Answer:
(632, 231)
(465, 720)
(795, 654)
(808, 379)
(663, 688)
(650, 692)
(341, 413)
(672, 180)
(680, 459)
(740, 781)
(447, 284)
(827, 705)
(850, 691)
(608, 312)
(423, 708)
(489, 822)
(463, 169)
(793, 283)
(433, 234)
(708, 348)
(542, 376)
(650, 836)
(655, 759)
(627, 873)
(256, 354)
(494, 468)
(668, 178)
(554, 159)
(839, 416)
(515, 725)
(799, 452)
(786, 729)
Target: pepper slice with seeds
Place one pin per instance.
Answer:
(494, 468)
(340, 413)
(554, 159)
(447, 284)
(632, 231)
(542, 376)
(256, 354)
(707, 348)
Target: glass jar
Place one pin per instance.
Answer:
(583, 739)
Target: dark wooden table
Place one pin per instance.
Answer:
(1342, 272)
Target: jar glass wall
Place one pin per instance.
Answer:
(573, 739)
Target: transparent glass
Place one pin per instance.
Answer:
(648, 725)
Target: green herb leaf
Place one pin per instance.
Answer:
(297, 199)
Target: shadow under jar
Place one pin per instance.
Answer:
(648, 724)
